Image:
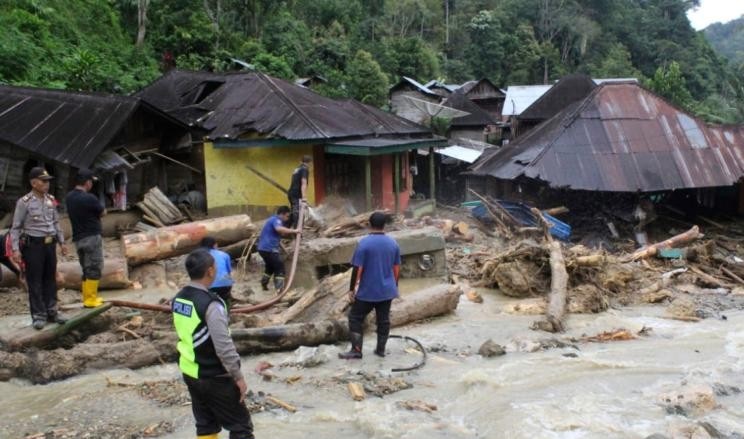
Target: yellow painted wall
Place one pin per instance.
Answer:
(232, 188)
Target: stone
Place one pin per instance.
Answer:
(307, 357)
(690, 399)
(491, 349)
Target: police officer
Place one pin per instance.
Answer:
(34, 235)
(207, 356)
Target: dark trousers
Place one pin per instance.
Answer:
(273, 264)
(360, 309)
(41, 269)
(216, 404)
(90, 254)
(294, 216)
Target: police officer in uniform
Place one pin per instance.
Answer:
(207, 356)
(34, 237)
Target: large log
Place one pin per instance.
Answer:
(112, 224)
(557, 299)
(28, 337)
(115, 275)
(673, 242)
(168, 242)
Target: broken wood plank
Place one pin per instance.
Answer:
(29, 337)
(279, 403)
(673, 242)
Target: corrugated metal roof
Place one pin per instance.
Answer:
(229, 106)
(477, 117)
(519, 97)
(622, 138)
(461, 153)
(64, 126)
(568, 90)
(405, 80)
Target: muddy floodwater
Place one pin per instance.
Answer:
(580, 390)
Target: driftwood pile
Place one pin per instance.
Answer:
(158, 210)
(357, 225)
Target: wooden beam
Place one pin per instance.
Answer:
(432, 176)
(396, 187)
(368, 182)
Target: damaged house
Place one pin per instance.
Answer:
(621, 139)
(253, 122)
(126, 141)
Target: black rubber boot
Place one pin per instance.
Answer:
(265, 282)
(355, 353)
(278, 284)
(381, 342)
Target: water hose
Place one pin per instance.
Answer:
(421, 362)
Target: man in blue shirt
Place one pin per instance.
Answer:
(223, 281)
(268, 247)
(374, 285)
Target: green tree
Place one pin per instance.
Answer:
(669, 83)
(367, 82)
(616, 64)
(285, 35)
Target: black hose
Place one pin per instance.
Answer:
(423, 352)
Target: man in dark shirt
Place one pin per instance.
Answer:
(374, 285)
(85, 213)
(298, 189)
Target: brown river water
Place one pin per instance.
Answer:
(591, 390)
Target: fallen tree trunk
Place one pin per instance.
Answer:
(28, 336)
(167, 242)
(112, 224)
(45, 366)
(673, 242)
(115, 275)
(557, 299)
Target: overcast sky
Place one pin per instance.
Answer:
(712, 11)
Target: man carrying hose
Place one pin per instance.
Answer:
(374, 285)
(268, 248)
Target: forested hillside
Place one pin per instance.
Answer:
(728, 39)
(363, 46)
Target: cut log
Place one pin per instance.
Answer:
(318, 303)
(115, 275)
(357, 391)
(167, 242)
(557, 299)
(556, 210)
(673, 242)
(461, 228)
(112, 224)
(159, 209)
(28, 336)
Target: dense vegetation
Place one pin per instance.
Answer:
(363, 46)
(728, 39)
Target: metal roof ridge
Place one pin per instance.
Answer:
(280, 93)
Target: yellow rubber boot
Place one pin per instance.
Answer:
(208, 436)
(90, 294)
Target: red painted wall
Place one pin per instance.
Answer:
(385, 195)
(318, 171)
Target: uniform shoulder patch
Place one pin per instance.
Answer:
(26, 198)
(182, 308)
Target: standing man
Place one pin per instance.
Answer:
(207, 356)
(85, 213)
(34, 237)
(268, 248)
(374, 285)
(298, 188)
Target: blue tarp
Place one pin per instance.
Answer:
(521, 212)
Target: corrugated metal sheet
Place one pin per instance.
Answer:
(622, 138)
(67, 127)
(461, 153)
(477, 117)
(244, 103)
(569, 89)
(519, 97)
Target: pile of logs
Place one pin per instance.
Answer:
(158, 210)
(355, 225)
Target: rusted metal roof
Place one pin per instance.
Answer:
(230, 106)
(622, 138)
(65, 126)
(568, 90)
